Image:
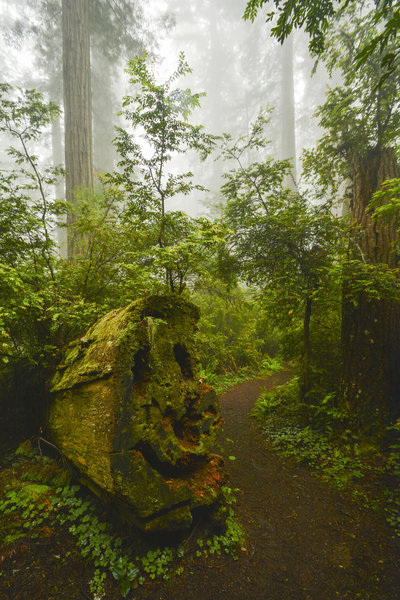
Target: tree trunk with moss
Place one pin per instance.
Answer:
(370, 385)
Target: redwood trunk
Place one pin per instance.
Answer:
(57, 151)
(77, 108)
(370, 386)
(287, 113)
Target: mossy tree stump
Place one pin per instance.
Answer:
(130, 414)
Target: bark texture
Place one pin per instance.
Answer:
(288, 121)
(370, 384)
(59, 188)
(77, 106)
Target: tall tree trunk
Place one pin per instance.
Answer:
(57, 152)
(215, 77)
(287, 116)
(370, 386)
(77, 108)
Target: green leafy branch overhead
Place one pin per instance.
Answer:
(316, 16)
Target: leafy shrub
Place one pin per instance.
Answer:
(309, 433)
(279, 400)
(229, 338)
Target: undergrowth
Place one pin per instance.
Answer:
(322, 437)
(35, 496)
(222, 382)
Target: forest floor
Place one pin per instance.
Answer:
(304, 540)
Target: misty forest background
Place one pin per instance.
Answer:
(203, 157)
(191, 153)
(168, 147)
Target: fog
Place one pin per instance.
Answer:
(236, 63)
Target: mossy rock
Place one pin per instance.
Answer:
(131, 415)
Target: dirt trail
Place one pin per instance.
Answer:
(304, 540)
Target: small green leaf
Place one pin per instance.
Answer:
(125, 588)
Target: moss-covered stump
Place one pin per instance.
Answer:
(130, 414)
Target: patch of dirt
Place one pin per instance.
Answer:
(304, 540)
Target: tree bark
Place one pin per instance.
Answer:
(77, 109)
(370, 385)
(287, 116)
(57, 152)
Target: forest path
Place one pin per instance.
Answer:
(304, 540)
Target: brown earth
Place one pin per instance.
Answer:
(304, 540)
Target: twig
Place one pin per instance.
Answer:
(191, 535)
(41, 439)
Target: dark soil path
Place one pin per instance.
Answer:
(304, 540)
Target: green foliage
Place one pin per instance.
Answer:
(277, 237)
(363, 112)
(232, 337)
(47, 301)
(27, 251)
(232, 538)
(335, 464)
(282, 417)
(393, 470)
(315, 16)
(322, 437)
(385, 203)
(273, 365)
(156, 563)
(183, 258)
(159, 114)
(376, 281)
(32, 501)
(282, 243)
(278, 399)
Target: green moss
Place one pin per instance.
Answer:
(128, 407)
(173, 520)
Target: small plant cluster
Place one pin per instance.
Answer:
(392, 494)
(229, 541)
(27, 506)
(37, 503)
(32, 512)
(223, 382)
(337, 464)
(283, 397)
(316, 444)
(321, 437)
